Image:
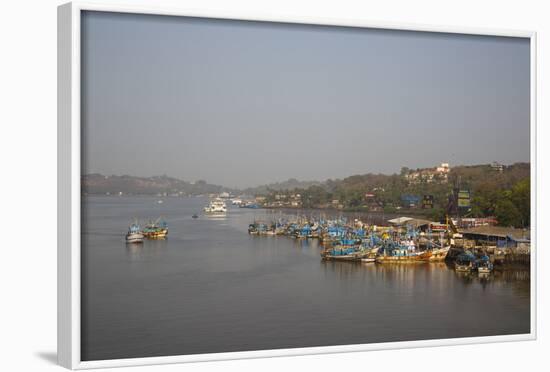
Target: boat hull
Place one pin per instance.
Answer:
(350, 257)
(158, 234)
(439, 254)
(417, 258)
(215, 211)
(463, 268)
(134, 238)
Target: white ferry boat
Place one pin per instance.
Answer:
(216, 206)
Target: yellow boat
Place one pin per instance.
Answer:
(156, 230)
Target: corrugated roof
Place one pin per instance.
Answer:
(409, 221)
(498, 231)
(399, 220)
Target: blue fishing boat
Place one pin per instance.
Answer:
(484, 265)
(342, 252)
(465, 262)
(304, 232)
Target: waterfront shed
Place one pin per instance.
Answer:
(503, 237)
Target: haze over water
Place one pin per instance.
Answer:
(212, 287)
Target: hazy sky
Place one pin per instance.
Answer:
(247, 103)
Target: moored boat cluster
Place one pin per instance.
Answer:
(468, 262)
(344, 240)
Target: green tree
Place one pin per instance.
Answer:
(507, 213)
(521, 197)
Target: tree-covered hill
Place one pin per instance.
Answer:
(499, 191)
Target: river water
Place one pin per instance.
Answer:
(211, 287)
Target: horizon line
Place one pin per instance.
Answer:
(293, 178)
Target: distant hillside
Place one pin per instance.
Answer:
(101, 184)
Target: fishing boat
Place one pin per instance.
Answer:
(280, 228)
(345, 250)
(156, 230)
(304, 233)
(403, 256)
(253, 229)
(465, 262)
(439, 254)
(484, 265)
(342, 253)
(404, 252)
(134, 234)
(216, 206)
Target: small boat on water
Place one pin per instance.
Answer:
(368, 259)
(484, 265)
(216, 206)
(248, 204)
(342, 253)
(465, 262)
(156, 230)
(134, 234)
(253, 229)
(195, 216)
(370, 255)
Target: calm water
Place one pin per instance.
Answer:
(210, 287)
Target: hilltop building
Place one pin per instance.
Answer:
(438, 174)
(497, 167)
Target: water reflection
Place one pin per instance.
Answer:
(216, 216)
(408, 274)
(506, 275)
(146, 250)
(308, 244)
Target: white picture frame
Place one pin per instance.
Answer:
(69, 188)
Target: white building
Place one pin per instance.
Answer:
(429, 175)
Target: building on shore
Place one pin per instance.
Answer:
(418, 223)
(505, 238)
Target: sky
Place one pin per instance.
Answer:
(241, 104)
